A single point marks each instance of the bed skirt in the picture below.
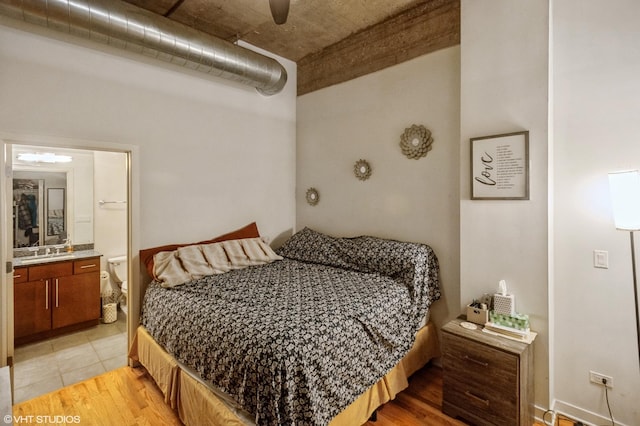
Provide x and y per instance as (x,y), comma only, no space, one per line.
(199,404)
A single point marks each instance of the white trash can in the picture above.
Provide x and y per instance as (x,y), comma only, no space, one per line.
(106,292)
(109,313)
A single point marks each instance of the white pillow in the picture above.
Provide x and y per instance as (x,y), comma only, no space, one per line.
(168,270)
(216,257)
(196,261)
(248,252)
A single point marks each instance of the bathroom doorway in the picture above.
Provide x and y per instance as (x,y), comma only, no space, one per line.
(82,196)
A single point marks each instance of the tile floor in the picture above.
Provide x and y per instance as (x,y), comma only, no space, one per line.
(43,367)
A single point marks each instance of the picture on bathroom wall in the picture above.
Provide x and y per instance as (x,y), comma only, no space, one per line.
(55,211)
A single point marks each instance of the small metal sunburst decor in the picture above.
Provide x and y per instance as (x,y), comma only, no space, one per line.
(416,141)
(362,169)
(312,196)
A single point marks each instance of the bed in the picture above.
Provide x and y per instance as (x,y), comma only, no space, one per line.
(322,331)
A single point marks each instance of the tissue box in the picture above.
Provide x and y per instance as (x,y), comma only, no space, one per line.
(504,304)
(516,321)
(477,315)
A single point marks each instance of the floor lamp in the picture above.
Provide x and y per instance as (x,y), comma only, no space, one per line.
(625,197)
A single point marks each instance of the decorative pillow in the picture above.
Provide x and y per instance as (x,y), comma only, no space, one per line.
(196,261)
(167,265)
(308,245)
(216,257)
(364,253)
(146,256)
(248,252)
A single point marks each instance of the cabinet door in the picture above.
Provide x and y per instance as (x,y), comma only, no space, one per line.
(75,299)
(31,307)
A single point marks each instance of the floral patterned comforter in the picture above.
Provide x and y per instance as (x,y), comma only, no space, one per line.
(296,341)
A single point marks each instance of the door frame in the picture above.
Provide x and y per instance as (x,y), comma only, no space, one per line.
(7,140)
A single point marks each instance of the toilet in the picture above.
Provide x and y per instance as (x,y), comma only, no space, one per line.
(119,270)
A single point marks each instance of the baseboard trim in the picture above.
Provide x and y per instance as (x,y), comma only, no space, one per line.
(582,415)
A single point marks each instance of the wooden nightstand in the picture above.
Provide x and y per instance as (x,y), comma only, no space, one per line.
(487,379)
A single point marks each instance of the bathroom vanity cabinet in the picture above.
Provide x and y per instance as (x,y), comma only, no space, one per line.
(56,297)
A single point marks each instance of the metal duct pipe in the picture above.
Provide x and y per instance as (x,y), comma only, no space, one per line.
(137,30)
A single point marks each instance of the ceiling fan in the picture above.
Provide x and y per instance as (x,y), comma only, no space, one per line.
(279,10)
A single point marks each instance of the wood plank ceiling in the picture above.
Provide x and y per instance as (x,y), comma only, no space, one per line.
(331,41)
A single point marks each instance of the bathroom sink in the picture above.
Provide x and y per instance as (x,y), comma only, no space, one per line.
(45,258)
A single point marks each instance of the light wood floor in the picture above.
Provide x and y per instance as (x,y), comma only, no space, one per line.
(419,404)
(127,396)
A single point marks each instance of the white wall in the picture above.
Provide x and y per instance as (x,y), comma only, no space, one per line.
(197,134)
(597,130)
(81,220)
(213,155)
(110,172)
(504,84)
(404,199)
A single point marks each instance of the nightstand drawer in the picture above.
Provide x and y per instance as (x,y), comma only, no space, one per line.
(474,363)
(497,408)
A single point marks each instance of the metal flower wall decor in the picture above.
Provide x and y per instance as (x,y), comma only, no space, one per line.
(416,141)
(312,196)
(362,169)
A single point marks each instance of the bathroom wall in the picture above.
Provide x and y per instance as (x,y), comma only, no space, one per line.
(110,184)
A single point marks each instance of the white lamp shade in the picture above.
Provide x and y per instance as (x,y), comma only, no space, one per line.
(625,198)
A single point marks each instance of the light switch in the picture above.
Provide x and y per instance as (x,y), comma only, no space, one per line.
(601,259)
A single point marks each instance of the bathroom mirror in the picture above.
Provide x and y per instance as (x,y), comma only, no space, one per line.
(64,199)
(33,223)
(27,212)
(55,213)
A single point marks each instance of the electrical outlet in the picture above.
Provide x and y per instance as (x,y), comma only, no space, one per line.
(599,379)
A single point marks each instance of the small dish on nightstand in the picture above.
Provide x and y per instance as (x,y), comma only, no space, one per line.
(468,325)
